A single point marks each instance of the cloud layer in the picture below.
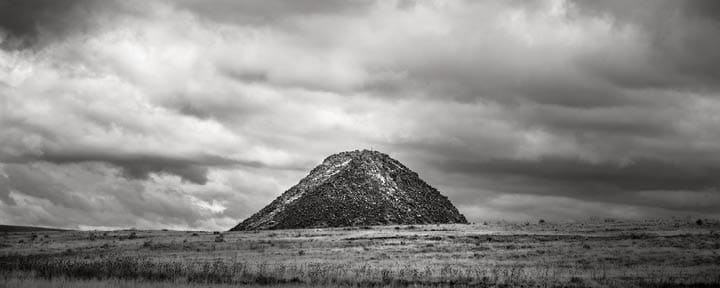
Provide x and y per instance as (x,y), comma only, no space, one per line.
(190,114)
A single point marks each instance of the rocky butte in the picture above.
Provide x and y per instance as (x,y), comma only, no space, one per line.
(356,188)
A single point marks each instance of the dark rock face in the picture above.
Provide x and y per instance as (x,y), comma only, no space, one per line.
(356,188)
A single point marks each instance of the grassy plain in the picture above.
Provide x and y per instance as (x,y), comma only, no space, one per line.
(600,253)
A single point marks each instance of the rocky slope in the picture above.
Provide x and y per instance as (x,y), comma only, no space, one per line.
(352,189)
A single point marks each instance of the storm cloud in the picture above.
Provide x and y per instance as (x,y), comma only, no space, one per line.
(195,114)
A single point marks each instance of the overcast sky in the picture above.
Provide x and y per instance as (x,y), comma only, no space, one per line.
(195,114)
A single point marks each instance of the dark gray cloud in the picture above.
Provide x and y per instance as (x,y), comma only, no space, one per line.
(193,169)
(678,38)
(638,175)
(513,108)
(38,184)
(246,12)
(39,193)
(27,22)
(646,11)
(140,166)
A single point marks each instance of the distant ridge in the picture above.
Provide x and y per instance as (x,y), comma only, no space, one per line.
(14,228)
(356,188)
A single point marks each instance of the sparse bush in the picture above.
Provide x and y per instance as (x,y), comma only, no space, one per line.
(386,276)
(301,252)
(219,238)
(133,235)
(636,236)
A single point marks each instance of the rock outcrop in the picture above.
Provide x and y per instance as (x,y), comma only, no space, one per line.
(356,188)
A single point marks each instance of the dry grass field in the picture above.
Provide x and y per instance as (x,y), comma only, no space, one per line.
(599,253)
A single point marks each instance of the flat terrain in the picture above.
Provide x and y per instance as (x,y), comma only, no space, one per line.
(602,253)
